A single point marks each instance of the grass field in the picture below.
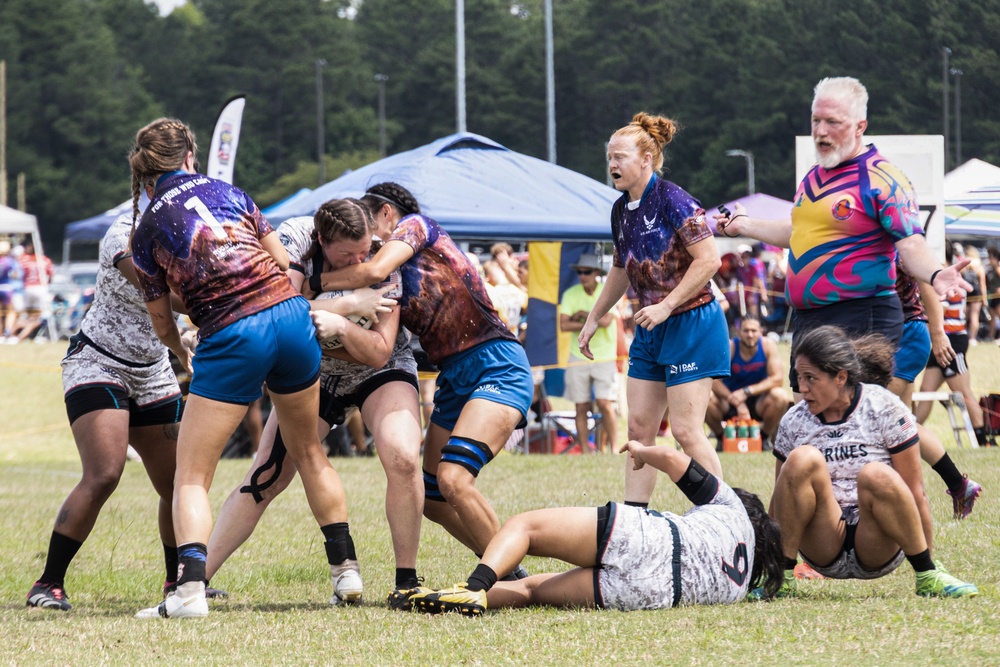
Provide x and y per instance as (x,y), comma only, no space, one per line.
(279,581)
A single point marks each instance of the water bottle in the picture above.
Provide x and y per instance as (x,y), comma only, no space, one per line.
(754,430)
(742,431)
(729,432)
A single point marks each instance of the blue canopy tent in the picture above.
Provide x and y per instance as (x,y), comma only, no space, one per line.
(478,189)
(277,210)
(91,230)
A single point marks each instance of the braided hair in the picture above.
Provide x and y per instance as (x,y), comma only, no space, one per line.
(160,147)
(390,193)
(340,219)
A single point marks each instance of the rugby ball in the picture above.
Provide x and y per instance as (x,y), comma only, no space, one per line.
(334,342)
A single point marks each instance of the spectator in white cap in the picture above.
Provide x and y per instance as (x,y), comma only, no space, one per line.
(589,381)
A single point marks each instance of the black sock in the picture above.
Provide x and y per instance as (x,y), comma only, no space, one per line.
(339,545)
(62,550)
(170,559)
(482,578)
(922,562)
(635,503)
(981,436)
(406,577)
(949,474)
(191,566)
(790,563)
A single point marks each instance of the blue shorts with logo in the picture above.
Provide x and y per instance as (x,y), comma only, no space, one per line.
(687,347)
(496,371)
(914,348)
(277,346)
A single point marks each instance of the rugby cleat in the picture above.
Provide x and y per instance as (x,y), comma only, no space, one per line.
(187,603)
(399,599)
(48,596)
(210,593)
(963,501)
(938,583)
(347,585)
(457,598)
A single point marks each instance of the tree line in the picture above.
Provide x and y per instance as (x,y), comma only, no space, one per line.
(84,75)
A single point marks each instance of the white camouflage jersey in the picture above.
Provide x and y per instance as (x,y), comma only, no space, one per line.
(876,425)
(655,561)
(118,321)
(296,235)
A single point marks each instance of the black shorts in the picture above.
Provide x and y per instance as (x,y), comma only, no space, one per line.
(112,397)
(333,409)
(857,317)
(751,404)
(960,343)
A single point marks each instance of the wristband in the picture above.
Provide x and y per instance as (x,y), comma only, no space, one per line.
(316,282)
(933,276)
(747,391)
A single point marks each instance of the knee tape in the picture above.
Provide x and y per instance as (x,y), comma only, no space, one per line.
(275,461)
(470,454)
(431,491)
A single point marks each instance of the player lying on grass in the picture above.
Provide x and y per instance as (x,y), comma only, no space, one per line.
(629,557)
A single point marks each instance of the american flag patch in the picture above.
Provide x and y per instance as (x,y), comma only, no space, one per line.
(904,423)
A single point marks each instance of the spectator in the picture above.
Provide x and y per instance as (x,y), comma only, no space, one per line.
(37,271)
(753,389)
(503,255)
(11,288)
(993,292)
(975,275)
(586,379)
(751,273)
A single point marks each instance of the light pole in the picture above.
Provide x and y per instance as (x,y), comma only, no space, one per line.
(460,65)
(380,79)
(957,73)
(550,84)
(320,128)
(945,52)
(748,156)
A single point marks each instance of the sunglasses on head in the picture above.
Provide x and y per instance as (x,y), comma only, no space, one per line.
(584,272)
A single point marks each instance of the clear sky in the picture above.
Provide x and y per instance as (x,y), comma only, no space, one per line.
(166,6)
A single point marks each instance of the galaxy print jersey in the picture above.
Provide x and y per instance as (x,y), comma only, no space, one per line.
(117,321)
(876,425)
(651,238)
(445,303)
(908,290)
(200,237)
(845,223)
(296,235)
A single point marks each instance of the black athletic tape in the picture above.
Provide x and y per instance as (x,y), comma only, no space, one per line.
(275,460)
(699,485)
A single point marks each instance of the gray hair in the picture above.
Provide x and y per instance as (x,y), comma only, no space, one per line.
(845,88)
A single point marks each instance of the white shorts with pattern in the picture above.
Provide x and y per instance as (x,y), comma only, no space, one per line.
(144,385)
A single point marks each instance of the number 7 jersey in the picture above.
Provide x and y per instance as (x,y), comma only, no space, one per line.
(200,238)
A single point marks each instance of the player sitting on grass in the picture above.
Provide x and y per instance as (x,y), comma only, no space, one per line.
(849,493)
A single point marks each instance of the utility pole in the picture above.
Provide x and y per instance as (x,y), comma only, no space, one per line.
(380,79)
(945,52)
(957,73)
(751,175)
(3,132)
(320,124)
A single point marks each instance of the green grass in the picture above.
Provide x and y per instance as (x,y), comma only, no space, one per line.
(278,612)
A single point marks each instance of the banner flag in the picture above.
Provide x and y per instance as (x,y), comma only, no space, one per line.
(225,139)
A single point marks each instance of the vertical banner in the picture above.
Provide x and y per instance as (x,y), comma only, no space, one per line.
(225,139)
(549,275)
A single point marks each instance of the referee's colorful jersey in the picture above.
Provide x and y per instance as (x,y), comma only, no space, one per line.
(845,223)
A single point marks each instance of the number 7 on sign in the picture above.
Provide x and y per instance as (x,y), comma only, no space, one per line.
(197,205)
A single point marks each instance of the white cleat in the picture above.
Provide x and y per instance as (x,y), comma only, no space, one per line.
(347,586)
(188,601)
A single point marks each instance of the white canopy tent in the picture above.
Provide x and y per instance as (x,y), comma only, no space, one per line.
(13,221)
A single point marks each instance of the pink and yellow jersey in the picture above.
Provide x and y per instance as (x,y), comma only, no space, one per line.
(845,224)
(200,238)
(651,238)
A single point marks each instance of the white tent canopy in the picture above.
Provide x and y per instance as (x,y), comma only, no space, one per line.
(972,201)
(13,221)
